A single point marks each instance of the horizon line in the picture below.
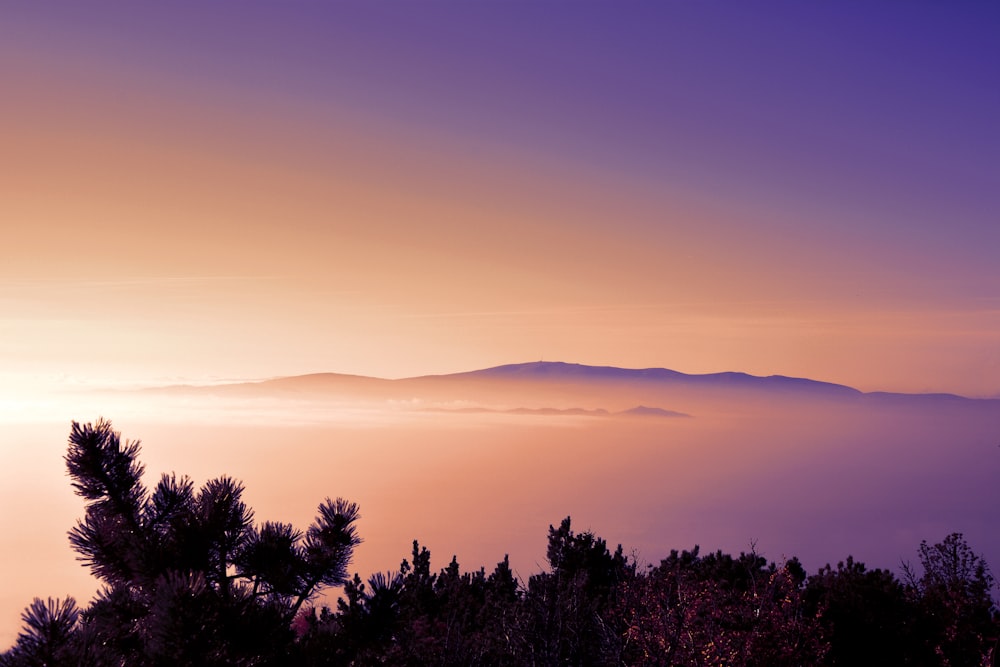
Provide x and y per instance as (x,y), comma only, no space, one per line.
(231,380)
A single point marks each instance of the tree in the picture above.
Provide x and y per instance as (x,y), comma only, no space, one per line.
(49,634)
(720,610)
(189,579)
(570,606)
(958,618)
(866,615)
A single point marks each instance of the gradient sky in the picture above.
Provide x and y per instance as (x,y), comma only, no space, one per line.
(198,191)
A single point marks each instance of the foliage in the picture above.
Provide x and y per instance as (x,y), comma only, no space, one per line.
(953,595)
(720,610)
(593,607)
(868,616)
(190,579)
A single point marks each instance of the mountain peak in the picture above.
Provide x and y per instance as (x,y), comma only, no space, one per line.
(565,369)
(646,411)
(572,371)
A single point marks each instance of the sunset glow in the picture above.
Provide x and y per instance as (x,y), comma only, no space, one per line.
(199,194)
(375,205)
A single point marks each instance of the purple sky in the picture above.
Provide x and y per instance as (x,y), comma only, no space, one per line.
(832,158)
(196,191)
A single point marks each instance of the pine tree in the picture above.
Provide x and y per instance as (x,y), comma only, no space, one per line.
(188,578)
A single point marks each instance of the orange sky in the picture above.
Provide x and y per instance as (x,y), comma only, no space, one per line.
(163,226)
(193,193)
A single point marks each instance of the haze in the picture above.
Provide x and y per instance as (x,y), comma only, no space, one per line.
(198,194)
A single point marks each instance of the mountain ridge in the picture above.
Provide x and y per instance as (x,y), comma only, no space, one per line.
(566,372)
(565,369)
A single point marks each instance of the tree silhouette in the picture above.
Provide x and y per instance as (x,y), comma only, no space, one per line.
(955,600)
(188,578)
(867,616)
(570,605)
(49,634)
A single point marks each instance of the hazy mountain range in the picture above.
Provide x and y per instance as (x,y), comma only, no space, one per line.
(559,388)
(480,463)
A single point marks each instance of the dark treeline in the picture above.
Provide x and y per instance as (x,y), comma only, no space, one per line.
(190,579)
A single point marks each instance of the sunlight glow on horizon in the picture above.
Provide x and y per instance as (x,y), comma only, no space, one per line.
(391,272)
(213,193)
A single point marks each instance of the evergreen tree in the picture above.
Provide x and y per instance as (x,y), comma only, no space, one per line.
(188,578)
(868,616)
(569,606)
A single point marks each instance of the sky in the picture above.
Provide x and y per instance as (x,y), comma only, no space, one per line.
(196,192)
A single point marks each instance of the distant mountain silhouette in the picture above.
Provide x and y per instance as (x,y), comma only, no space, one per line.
(555,387)
(558,370)
(561,369)
(644,411)
(312,383)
